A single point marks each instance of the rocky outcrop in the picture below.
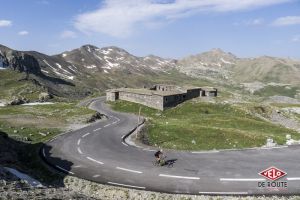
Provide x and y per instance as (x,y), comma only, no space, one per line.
(44,96)
(19,61)
(95,117)
(18,101)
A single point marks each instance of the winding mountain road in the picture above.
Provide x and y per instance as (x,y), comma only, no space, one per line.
(99,153)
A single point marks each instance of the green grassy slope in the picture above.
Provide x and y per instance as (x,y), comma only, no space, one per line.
(205,126)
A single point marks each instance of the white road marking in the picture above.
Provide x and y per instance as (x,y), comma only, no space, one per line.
(107,125)
(97,175)
(280,147)
(92,159)
(149,150)
(125,144)
(242,179)
(44,153)
(77,166)
(85,135)
(183,177)
(129,170)
(69,172)
(114,122)
(78,142)
(225,193)
(123,137)
(132,186)
(97,129)
(79,150)
(294,179)
(205,152)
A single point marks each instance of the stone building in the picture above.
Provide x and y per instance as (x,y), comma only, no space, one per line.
(159,96)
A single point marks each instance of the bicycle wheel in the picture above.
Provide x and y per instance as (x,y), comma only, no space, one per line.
(170,164)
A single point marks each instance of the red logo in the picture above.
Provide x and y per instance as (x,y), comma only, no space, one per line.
(273,173)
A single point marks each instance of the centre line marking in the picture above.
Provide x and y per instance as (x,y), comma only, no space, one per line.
(242,179)
(79,150)
(85,135)
(294,179)
(183,177)
(225,193)
(78,142)
(205,152)
(97,175)
(129,170)
(120,184)
(96,161)
(107,125)
(97,129)
(69,172)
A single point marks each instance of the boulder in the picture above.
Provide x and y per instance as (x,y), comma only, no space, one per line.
(44,96)
(18,101)
(95,117)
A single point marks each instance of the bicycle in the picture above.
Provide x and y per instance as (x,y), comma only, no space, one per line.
(162,162)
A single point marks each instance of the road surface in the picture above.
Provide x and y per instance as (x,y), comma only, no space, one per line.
(99,153)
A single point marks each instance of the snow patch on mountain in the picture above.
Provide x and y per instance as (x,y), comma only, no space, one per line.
(73,68)
(91,66)
(64,55)
(89,49)
(45,71)
(98,56)
(60,67)
(58,73)
(226,62)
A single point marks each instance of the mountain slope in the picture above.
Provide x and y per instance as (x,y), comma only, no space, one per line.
(218,65)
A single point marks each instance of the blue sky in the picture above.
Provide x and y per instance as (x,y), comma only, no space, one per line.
(167,28)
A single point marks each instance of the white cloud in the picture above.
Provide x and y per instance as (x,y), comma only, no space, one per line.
(250,22)
(286,21)
(258,21)
(68,34)
(5,23)
(22,33)
(296,38)
(120,18)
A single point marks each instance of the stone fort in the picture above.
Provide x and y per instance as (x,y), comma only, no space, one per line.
(160,96)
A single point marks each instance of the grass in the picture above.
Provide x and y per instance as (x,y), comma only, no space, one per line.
(277,90)
(13,84)
(205,126)
(29,121)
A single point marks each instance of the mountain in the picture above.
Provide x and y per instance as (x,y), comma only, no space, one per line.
(89,69)
(217,65)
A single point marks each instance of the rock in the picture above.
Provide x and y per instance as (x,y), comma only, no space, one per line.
(43,134)
(18,101)
(270,143)
(44,96)
(95,117)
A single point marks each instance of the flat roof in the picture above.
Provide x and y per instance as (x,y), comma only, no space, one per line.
(150,92)
(145,91)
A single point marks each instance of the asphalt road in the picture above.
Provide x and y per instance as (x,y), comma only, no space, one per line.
(99,153)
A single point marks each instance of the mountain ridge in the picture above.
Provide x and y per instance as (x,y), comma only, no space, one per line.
(84,70)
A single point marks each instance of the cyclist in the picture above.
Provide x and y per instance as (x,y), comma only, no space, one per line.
(159,158)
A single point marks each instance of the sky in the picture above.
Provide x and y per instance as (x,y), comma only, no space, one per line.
(166,28)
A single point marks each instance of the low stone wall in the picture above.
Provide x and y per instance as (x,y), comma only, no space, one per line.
(153,101)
